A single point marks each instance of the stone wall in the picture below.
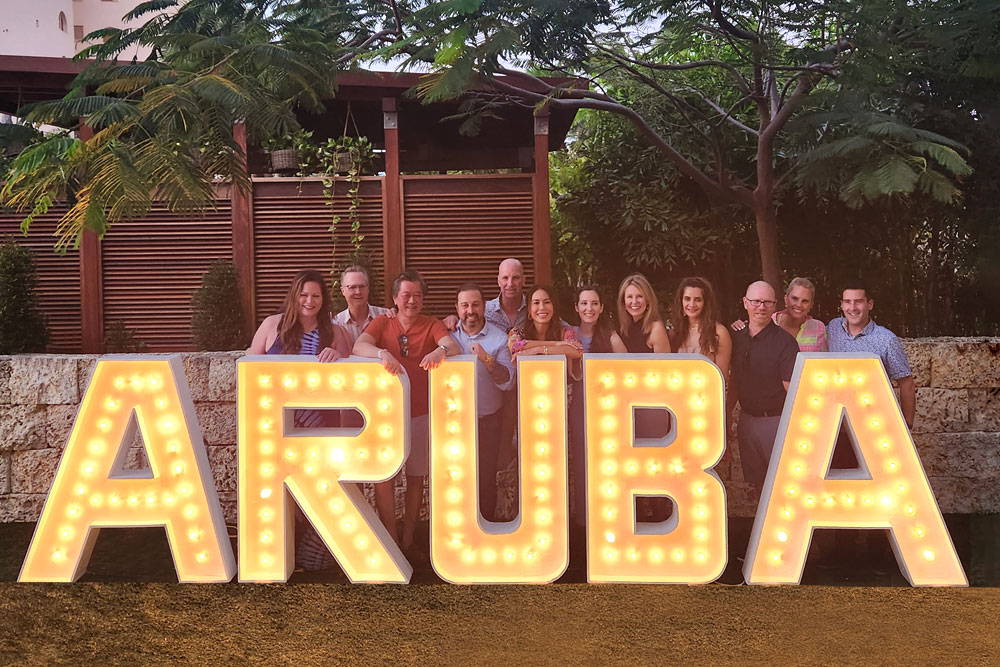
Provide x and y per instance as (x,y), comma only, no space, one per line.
(957,429)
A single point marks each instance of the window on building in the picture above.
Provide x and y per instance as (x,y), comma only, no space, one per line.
(78,33)
(62,21)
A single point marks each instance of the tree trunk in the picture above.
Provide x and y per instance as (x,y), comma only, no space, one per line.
(767,238)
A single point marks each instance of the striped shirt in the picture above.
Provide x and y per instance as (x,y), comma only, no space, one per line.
(811,336)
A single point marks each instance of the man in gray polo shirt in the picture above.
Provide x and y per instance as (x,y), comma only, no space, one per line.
(763,361)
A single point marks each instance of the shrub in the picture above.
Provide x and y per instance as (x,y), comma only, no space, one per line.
(22,324)
(218,322)
(119,339)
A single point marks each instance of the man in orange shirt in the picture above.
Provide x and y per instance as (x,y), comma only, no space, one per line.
(413,343)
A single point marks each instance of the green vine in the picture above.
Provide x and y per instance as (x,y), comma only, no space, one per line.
(348,157)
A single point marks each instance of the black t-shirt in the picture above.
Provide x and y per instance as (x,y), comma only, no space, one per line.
(760,364)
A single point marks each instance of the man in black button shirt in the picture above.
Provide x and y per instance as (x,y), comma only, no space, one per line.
(763,361)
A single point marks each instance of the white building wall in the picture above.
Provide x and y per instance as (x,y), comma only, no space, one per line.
(31,28)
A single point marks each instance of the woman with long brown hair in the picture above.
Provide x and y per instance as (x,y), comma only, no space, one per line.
(697,329)
(597,335)
(305,326)
(544,332)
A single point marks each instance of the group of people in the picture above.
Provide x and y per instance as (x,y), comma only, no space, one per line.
(756,356)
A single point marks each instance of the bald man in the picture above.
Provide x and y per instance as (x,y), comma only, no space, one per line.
(763,361)
(509,309)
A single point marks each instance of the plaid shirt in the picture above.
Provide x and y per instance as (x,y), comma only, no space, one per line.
(874,339)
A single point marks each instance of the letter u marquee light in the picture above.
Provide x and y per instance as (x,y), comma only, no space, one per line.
(691,546)
(890,490)
(92,490)
(465,548)
(319,468)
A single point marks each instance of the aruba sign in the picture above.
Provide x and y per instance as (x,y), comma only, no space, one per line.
(318,470)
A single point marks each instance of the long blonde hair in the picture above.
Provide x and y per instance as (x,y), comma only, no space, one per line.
(652,305)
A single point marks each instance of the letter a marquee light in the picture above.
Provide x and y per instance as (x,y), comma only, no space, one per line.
(319,468)
(691,547)
(91,489)
(534,548)
(890,490)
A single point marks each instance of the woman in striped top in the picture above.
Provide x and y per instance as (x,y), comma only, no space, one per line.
(305,326)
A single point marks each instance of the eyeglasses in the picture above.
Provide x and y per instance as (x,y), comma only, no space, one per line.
(757,303)
(404,345)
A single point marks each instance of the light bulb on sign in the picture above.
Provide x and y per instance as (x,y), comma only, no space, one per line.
(317,468)
(691,548)
(889,491)
(465,549)
(91,490)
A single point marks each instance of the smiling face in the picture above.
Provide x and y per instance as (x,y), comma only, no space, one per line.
(355,288)
(510,279)
(635,302)
(310,300)
(759,303)
(799,302)
(471,310)
(857,307)
(541,309)
(589,307)
(693,302)
(409,299)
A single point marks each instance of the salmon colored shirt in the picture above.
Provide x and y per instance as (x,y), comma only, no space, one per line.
(421,339)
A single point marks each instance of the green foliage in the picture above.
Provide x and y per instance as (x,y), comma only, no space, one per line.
(119,339)
(218,321)
(349,156)
(870,156)
(22,325)
(164,126)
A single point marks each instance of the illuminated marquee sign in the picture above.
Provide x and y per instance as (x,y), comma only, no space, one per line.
(534,548)
(282,467)
(889,490)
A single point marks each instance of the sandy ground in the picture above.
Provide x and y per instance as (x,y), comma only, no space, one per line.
(127,611)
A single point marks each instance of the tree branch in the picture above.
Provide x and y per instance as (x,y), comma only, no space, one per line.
(685,166)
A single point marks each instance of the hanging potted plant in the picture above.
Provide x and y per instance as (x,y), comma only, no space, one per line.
(288,153)
(348,157)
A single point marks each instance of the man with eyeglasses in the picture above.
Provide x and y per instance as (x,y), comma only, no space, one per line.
(359,313)
(763,361)
(413,343)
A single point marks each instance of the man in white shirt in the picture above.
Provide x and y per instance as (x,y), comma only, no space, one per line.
(359,313)
(494,376)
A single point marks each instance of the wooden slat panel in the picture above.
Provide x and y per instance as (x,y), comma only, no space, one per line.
(58,277)
(152,266)
(459,229)
(291,233)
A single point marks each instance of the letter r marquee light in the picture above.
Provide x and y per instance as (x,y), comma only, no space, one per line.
(465,548)
(92,490)
(319,468)
(889,490)
(691,546)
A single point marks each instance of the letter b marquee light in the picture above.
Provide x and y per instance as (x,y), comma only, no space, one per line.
(92,490)
(691,548)
(889,490)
